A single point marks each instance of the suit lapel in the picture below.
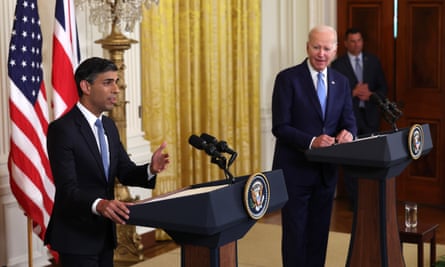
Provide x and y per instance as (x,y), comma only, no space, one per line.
(332,89)
(312,91)
(90,140)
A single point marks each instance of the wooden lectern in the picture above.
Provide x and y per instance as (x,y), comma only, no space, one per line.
(376,160)
(207,219)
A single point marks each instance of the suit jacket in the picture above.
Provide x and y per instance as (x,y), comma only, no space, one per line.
(80,179)
(369,120)
(297,118)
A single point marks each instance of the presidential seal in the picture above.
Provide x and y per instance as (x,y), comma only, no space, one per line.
(256,195)
(415,141)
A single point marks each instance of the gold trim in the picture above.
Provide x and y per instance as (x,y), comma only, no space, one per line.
(415,141)
(248,193)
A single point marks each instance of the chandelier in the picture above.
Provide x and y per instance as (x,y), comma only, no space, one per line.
(123,14)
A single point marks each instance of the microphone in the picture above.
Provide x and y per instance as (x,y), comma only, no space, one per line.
(387,106)
(201,144)
(376,99)
(394,108)
(221,145)
(390,111)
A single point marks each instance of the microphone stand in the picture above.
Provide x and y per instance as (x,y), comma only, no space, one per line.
(221,162)
(390,111)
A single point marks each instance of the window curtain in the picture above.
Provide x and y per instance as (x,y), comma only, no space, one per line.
(200,74)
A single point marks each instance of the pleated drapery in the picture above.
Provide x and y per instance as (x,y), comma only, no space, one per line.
(200,73)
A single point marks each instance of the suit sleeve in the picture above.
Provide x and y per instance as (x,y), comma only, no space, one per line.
(287,103)
(62,152)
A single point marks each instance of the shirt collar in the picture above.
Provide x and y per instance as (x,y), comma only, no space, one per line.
(352,57)
(314,72)
(89,116)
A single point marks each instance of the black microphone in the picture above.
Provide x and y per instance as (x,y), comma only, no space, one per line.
(378,100)
(393,107)
(201,144)
(220,145)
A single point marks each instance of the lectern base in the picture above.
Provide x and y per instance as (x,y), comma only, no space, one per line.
(223,256)
(375,237)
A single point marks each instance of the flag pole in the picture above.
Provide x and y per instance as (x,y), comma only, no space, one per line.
(29,241)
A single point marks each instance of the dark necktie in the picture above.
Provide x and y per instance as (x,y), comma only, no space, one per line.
(359,75)
(321,92)
(103,145)
(358,70)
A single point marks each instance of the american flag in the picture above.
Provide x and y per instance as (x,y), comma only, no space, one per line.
(66,57)
(29,170)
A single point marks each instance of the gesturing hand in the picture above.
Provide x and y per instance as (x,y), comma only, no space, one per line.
(159,160)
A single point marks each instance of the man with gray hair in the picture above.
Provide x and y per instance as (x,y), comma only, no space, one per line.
(311,108)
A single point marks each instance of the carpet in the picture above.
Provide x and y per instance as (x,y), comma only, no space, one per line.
(261,247)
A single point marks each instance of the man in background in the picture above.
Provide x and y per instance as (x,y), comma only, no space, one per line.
(366,77)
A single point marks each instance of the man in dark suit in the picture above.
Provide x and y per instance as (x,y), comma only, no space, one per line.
(299,123)
(370,80)
(82,224)
(366,77)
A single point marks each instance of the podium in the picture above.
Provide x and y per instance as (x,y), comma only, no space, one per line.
(376,161)
(207,219)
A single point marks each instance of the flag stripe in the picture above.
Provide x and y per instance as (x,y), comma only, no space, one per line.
(29,170)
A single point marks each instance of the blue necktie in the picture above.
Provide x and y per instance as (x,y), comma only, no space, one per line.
(359,75)
(358,70)
(321,92)
(103,145)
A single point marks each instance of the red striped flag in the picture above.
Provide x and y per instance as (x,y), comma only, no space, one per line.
(66,57)
(29,170)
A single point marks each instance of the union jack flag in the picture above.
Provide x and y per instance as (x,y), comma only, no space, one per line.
(66,57)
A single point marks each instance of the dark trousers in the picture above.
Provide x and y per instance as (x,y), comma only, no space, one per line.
(305,225)
(104,259)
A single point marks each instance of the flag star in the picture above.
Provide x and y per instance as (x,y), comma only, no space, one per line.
(25,19)
(24,49)
(33,78)
(12,62)
(13,32)
(24,78)
(25,3)
(24,34)
(24,63)
(13,48)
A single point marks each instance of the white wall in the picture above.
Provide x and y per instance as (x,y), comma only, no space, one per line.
(285,24)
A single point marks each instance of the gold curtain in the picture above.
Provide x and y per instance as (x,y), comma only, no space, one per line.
(200,73)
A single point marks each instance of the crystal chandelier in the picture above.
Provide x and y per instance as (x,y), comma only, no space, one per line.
(122,13)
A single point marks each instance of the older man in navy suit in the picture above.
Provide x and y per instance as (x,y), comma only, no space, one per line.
(311,108)
(86,155)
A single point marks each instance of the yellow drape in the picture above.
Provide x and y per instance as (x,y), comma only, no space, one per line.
(200,73)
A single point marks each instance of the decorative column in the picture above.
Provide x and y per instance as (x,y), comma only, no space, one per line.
(120,13)
(129,248)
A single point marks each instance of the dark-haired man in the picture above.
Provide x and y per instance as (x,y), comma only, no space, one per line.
(366,77)
(86,154)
